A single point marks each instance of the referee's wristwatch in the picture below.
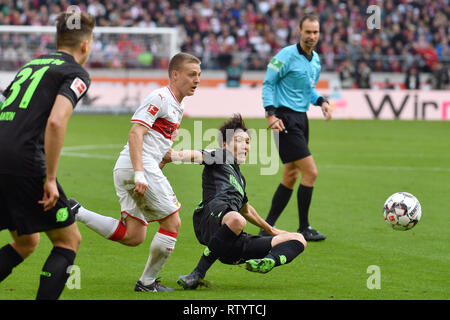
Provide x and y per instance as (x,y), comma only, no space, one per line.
(320,101)
(270,110)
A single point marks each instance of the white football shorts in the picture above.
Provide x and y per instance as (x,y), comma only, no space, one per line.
(159,200)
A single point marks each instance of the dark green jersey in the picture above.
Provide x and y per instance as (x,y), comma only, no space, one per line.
(27,103)
(222,179)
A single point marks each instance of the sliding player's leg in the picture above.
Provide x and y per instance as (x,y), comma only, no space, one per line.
(284,248)
(219,230)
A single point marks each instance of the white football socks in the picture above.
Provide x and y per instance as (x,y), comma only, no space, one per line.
(161,249)
(103,225)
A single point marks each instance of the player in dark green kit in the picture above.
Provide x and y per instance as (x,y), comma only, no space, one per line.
(34,111)
(220,218)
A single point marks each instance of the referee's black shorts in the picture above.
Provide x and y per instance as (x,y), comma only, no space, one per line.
(20,210)
(293,144)
(208,220)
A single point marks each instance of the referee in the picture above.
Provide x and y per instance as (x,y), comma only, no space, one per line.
(288,90)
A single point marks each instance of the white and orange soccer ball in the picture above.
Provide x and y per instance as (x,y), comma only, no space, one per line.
(402,211)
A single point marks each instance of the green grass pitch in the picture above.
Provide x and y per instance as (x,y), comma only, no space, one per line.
(360,164)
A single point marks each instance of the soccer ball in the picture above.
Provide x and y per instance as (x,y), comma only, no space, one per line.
(402,211)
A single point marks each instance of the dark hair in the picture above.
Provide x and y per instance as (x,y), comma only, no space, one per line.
(310,17)
(179,59)
(229,128)
(72,28)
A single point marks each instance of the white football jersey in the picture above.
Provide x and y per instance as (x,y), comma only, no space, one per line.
(161,113)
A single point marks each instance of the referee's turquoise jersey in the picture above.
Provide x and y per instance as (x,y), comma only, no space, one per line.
(291,80)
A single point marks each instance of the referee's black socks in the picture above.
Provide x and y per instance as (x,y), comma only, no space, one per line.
(285,252)
(54,273)
(279,201)
(304,195)
(9,258)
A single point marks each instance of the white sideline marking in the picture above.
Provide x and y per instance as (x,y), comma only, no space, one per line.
(71,151)
(87,155)
(93,147)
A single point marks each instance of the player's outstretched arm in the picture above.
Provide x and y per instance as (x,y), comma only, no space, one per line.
(183,156)
(250,214)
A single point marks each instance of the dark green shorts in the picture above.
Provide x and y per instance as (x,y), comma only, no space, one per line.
(20,210)
(208,220)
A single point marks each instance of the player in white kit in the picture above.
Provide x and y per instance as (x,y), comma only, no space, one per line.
(144,192)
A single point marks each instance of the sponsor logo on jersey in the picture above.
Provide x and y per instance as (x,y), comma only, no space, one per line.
(234,182)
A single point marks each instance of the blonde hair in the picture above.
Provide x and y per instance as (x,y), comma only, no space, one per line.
(179,59)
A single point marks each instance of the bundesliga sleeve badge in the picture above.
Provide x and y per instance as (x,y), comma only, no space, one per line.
(152,109)
(275,64)
(78,87)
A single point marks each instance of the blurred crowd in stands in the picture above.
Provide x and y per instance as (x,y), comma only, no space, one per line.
(413,38)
